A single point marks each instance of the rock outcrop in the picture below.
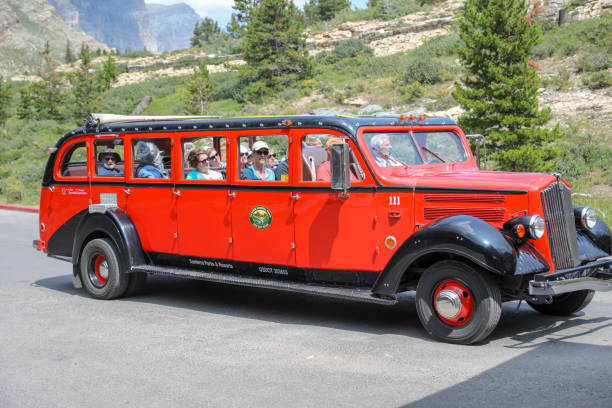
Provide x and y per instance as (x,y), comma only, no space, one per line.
(25,26)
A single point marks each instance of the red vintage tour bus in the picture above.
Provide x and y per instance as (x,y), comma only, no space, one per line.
(351,207)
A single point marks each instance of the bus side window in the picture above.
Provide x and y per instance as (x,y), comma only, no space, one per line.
(74,161)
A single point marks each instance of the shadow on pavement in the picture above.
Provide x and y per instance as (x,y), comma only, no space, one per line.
(562,374)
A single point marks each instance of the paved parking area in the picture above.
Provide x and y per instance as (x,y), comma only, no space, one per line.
(195,344)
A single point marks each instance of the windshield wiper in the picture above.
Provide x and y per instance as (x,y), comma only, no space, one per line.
(436,155)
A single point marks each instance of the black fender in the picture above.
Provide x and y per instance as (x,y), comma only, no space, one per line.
(460,235)
(600,235)
(115,224)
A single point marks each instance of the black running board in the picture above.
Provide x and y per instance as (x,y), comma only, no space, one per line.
(357,294)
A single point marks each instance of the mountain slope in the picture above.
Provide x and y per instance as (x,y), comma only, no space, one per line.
(172,26)
(24,28)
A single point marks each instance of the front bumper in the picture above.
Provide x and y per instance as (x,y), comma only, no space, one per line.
(596,275)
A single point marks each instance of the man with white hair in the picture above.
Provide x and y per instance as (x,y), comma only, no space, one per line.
(381,149)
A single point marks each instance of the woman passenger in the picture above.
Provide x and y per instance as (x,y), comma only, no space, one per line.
(199,159)
(259,171)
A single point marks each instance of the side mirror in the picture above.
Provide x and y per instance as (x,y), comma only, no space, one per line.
(479,139)
(339,165)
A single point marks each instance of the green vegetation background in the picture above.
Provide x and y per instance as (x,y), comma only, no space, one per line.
(422,77)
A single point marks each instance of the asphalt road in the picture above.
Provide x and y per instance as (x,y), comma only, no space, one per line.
(196,344)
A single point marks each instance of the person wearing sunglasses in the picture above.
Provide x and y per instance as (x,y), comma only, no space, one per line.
(271,162)
(200,160)
(108,163)
(214,159)
(259,171)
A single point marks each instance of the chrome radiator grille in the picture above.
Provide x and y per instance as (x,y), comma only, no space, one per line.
(560,225)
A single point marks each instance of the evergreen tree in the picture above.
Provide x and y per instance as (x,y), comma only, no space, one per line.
(69,57)
(50,96)
(6,100)
(85,89)
(274,48)
(499,92)
(204,32)
(325,10)
(25,107)
(107,74)
(241,18)
(198,91)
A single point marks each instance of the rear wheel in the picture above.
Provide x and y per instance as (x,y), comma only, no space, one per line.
(458,303)
(566,303)
(100,270)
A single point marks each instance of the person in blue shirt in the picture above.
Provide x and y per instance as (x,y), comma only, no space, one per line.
(200,160)
(259,171)
(149,159)
(108,163)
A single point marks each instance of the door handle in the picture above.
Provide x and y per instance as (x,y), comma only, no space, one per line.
(232,194)
(127,191)
(295,197)
(177,192)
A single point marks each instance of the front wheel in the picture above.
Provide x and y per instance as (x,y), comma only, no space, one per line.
(101,272)
(458,303)
(565,304)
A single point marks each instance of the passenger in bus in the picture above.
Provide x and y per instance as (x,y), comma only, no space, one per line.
(214,159)
(381,150)
(200,159)
(324,170)
(108,163)
(259,171)
(149,159)
(244,158)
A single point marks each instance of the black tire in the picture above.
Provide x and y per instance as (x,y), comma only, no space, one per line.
(101,272)
(136,284)
(566,303)
(480,297)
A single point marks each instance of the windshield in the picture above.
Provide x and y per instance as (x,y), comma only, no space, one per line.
(391,149)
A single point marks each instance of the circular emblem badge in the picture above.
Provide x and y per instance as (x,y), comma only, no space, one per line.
(260,217)
(390,242)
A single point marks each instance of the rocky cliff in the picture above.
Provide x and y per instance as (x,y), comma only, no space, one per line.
(25,26)
(172,26)
(121,24)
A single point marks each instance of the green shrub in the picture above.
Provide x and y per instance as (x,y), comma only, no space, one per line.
(598,80)
(346,49)
(411,92)
(423,70)
(184,62)
(596,62)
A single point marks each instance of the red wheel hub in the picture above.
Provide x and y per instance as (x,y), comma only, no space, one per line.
(453,302)
(101,269)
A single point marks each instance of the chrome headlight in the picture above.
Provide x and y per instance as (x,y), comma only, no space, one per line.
(588,218)
(536,227)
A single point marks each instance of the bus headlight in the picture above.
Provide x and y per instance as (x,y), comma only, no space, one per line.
(536,227)
(586,216)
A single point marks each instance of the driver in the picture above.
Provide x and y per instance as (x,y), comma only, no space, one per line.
(381,149)
(108,163)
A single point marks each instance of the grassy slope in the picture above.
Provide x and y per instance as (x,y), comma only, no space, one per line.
(587,158)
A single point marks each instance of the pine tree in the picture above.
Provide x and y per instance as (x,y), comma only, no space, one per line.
(85,89)
(25,107)
(274,48)
(325,10)
(50,96)
(204,32)
(107,74)
(68,55)
(6,100)
(198,91)
(241,18)
(499,92)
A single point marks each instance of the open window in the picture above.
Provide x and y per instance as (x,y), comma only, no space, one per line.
(315,158)
(74,161)
(109,158)
(204,158)
(151,158)
(263,158)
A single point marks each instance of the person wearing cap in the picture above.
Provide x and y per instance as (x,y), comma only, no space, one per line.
(324,170)
(259,171)
(200,159)
(108,163)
